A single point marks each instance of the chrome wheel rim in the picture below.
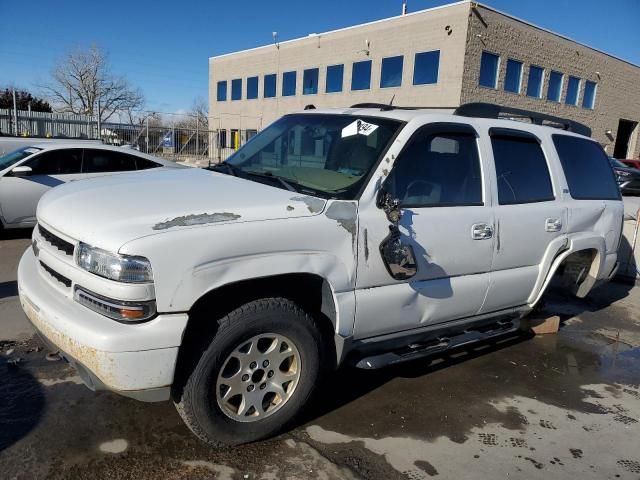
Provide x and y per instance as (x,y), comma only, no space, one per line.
(258,377)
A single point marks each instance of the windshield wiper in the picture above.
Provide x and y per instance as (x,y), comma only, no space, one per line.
(230,169)
(280,180)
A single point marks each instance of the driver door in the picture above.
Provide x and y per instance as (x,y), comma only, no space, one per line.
(448,222)
(19,196)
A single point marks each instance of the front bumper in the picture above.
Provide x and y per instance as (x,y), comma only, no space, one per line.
(135,360)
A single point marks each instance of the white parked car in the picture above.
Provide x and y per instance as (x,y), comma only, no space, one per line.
(30,171)
(365,235)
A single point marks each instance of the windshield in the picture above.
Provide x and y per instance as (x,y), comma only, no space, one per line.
(329,155)
(14,157)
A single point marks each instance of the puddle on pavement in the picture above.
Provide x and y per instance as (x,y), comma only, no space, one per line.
(515,397)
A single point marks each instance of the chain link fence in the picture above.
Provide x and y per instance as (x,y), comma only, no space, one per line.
(184,139)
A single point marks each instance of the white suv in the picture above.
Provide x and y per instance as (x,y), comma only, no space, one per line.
(371,235)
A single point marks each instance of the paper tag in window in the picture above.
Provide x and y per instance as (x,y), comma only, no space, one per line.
(359,127)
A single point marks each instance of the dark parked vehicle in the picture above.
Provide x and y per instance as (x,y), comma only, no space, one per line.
(631,163)
(628,178)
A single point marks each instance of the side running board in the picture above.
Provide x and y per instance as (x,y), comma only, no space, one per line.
(439,344)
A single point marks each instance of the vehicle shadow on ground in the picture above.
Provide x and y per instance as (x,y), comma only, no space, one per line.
(22,403)
(349,383)
(8,289)
(15,234)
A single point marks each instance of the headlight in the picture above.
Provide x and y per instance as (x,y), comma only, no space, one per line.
(121,268)
(622,173)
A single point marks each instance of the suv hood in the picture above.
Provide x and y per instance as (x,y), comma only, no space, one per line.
(108,212)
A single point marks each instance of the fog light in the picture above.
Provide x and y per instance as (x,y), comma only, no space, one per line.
(121,311)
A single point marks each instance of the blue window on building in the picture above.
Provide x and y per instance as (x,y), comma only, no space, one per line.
(425,67)
(361,75)
(236,89)
(252,88)
(573,87)
(589,98)
(534,85)
(222,91)
(288,84)
(270,82)
(310,81)
(391,73)
(335,75)
(489,64)
(513,77)
(554,91)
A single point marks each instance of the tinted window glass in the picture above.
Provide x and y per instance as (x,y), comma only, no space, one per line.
(437,169)
(252,88)
(98,161)
(589,99)
(335,74)
(310,81)
(56,162)
(236,89)
(144,164)
(391,74)
(270,85)
(288,84)
(586,168)
(222,138)
(555,86)
(534,86)
(489,63)
(14,157)
(425,67)
(573,87)
(521,170)
(222,91)
(513,76)
(361,75)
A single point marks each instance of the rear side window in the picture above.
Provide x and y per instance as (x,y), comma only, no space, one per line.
(438,168)
(144,164)
(587,169)
(57,162)
(99,161)
(521,170)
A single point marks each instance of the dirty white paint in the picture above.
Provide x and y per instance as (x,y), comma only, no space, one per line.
(494,451)
(114,446)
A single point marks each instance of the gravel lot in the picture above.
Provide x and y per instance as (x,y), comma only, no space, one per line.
(557,406)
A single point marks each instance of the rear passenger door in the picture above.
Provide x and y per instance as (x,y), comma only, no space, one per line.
(528,216)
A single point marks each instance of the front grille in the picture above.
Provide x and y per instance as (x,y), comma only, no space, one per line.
(60,278)
(56,241)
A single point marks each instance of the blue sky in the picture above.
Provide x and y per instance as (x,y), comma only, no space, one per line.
(163,47)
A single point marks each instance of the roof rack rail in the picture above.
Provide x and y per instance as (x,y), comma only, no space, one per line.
(492,110)
(386,107)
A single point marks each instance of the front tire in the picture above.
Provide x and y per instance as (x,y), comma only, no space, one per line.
(258,372)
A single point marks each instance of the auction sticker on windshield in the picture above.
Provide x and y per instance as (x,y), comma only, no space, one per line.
(359,127)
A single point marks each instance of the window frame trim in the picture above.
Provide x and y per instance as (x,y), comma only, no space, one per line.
(444,128)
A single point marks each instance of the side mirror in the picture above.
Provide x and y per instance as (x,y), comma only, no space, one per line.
(397,256)
(22,171)
(390,206)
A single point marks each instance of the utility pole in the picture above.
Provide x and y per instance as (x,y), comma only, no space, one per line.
(197,135)
(147,136)
(15,114)
(99,122)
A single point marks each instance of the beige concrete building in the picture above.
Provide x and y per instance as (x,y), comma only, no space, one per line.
(440,57)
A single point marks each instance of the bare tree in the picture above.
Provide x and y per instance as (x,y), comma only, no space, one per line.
(83,80)
(197,116)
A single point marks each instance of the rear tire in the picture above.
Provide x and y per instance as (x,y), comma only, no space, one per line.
(255,376)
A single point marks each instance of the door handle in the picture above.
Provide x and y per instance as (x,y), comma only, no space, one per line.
(553,224)
(481,231)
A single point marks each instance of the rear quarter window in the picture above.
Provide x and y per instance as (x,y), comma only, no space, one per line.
(586,168)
